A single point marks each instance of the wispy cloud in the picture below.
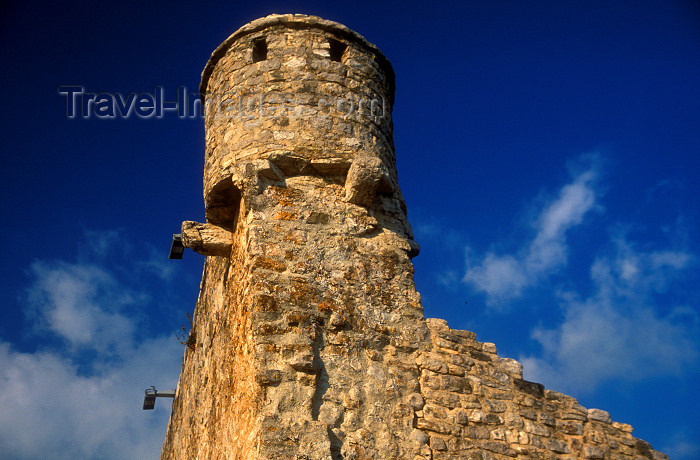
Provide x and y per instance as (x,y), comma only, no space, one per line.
(503,277)
(52,410)
(80,394)
(82,304)
(619,331)
(629,324)
(682,446)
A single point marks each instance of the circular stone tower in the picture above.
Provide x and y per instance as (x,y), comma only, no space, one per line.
(301,96)
(308,318)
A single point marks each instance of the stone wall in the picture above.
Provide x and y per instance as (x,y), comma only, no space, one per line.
(474,401)
(308,339)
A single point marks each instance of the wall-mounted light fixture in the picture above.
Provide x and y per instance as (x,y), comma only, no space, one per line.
(149,400)
(176,247)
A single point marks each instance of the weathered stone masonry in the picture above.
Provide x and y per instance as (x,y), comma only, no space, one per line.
(310,336)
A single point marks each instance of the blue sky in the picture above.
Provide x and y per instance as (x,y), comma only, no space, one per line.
(547,152)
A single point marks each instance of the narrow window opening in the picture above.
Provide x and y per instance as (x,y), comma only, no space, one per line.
(259,49)
(337,49)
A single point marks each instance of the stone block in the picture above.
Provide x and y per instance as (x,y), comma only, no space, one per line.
(599,415)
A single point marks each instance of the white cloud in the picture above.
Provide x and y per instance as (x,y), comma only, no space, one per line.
(505,277)
(81,304)
(102,243)
(631,324)
(82,399)
(618,332)
(548,249)
(51,410)
(499,276)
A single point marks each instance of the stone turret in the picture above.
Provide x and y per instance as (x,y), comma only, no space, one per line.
(308,339)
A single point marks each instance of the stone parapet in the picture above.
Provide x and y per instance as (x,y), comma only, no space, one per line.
(477,405)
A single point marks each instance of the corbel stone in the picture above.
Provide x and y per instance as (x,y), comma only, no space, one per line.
(364,178)
(206,239)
